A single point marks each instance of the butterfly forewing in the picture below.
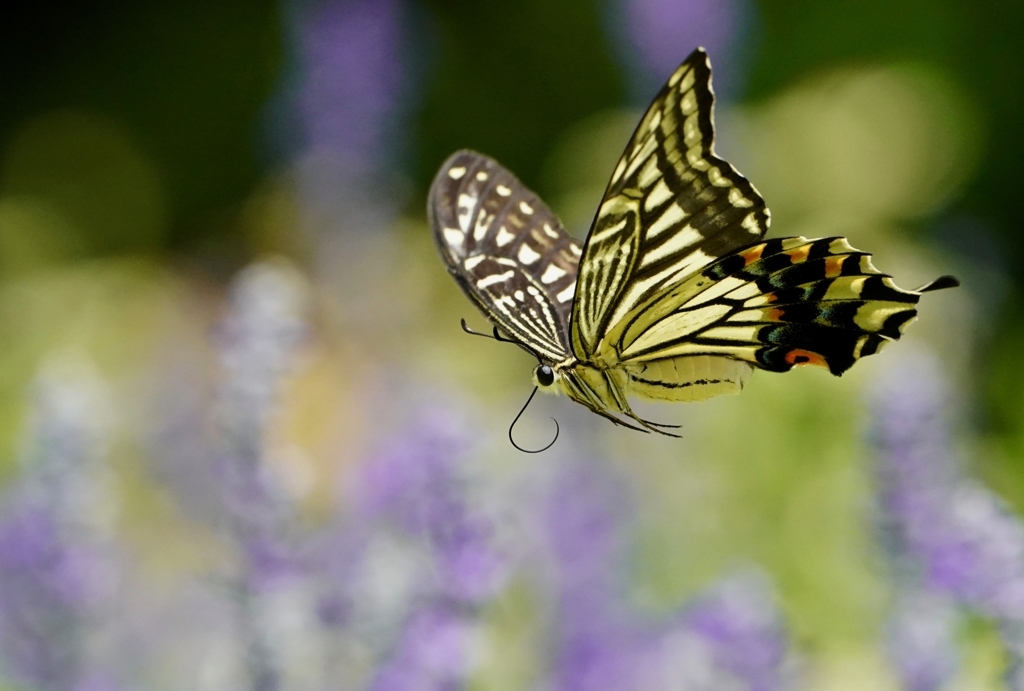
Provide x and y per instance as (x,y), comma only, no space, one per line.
(671,208)
(507,250)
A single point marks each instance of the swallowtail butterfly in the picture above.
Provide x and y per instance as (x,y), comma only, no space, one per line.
(675,295)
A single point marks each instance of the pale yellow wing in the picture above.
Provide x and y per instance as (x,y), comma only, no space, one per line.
(671,208)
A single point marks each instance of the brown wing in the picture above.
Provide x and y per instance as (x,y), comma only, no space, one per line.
(507,251)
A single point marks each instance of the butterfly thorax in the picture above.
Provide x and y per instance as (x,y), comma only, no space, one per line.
(606,389)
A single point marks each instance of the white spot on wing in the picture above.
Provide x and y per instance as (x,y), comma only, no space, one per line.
(519,295)
(494,278)
(736,198)
(695,157)
(566,294)
(717,179)
(472,262)
(691,130)
(750,223)
(457,172)
(552,274)
(502,190)
(550,231)
(689,103)
(467,202)
(527,255)
(504,237)
(483,224)
(481,176)
(455,238)
(525,208)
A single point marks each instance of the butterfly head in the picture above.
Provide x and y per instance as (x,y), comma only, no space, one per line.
(544,376)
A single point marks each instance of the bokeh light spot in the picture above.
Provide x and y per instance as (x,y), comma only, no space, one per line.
(89,169)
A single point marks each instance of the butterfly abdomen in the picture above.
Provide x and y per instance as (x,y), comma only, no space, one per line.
(688,378)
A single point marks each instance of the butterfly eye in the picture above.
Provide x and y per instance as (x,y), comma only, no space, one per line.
(544,374)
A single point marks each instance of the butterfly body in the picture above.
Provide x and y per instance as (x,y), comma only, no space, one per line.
(676,295)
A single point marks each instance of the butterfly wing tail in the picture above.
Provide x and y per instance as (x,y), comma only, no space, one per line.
(940,283)
(823,303)
(783,303)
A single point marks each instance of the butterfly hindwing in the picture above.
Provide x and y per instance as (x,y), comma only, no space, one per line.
(672,207)
(775,304)
(507,250)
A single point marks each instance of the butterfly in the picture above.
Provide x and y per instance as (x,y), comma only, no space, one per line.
(675,295)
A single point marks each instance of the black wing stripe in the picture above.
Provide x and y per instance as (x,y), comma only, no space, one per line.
(778,304)
(672,207)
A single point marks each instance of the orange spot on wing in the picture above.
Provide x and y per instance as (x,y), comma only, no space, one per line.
(800,357)
(798,254)
(752,255)
(834,266)
(775,314)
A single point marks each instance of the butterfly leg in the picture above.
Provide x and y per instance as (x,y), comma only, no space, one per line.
(579,389)
(654,426)
(615,385)
(661,424)
(618,421)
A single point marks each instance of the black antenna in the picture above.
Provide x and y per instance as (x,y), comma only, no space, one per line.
(521,411)
(501,339)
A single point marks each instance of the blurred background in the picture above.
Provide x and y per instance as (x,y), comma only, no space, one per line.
(244,443)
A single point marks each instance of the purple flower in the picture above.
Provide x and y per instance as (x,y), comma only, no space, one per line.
(56,563)
(742,630)
(922,639)
(258,345)
(730,637)
(599,644)
(434,652)
(351,76)
(587,519)
(398,479)
(417,483)
(957,534)
(41,589)
(662,33)
(946,532)
(409,568)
